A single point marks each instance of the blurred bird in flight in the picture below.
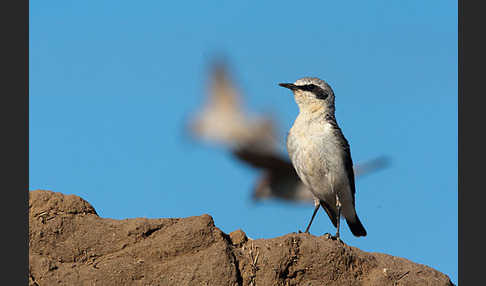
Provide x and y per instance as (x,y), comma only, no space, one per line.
(252,139)
(223,120)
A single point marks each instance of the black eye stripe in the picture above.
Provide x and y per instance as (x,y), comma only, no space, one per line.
(319,92)
(308,87)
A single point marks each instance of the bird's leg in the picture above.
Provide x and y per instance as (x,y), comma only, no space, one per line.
(338,206)
(316,205)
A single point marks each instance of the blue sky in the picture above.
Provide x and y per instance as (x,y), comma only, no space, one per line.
(113,82)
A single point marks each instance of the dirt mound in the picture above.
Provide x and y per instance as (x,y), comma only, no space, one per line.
(69,244)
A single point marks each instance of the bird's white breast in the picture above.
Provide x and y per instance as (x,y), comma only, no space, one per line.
(316,156)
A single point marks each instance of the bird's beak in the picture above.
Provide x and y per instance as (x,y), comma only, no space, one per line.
(288,85)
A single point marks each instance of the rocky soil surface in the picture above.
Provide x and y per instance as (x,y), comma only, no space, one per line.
(69,244)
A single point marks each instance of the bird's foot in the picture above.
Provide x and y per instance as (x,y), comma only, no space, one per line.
(327,235)
(336,238)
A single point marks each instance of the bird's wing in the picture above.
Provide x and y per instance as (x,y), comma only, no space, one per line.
(348,164)
(370,166)
(223,93)
(262,160)
(221,119)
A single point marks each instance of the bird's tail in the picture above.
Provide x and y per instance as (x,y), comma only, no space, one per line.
(356,226)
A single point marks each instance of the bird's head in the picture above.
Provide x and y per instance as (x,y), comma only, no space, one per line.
(312,94)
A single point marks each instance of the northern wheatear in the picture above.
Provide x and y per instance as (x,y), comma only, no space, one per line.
(321,155)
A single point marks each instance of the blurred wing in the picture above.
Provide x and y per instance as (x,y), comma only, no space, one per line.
(371,166)
(221,118)
(223,94)
(262,160)
(282,184)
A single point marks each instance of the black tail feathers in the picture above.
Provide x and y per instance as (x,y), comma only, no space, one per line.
(356,227)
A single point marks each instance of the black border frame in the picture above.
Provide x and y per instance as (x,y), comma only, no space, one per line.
(15,120)
(470,145)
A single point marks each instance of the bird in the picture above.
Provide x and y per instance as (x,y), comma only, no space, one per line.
(321,155)
(224,121)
